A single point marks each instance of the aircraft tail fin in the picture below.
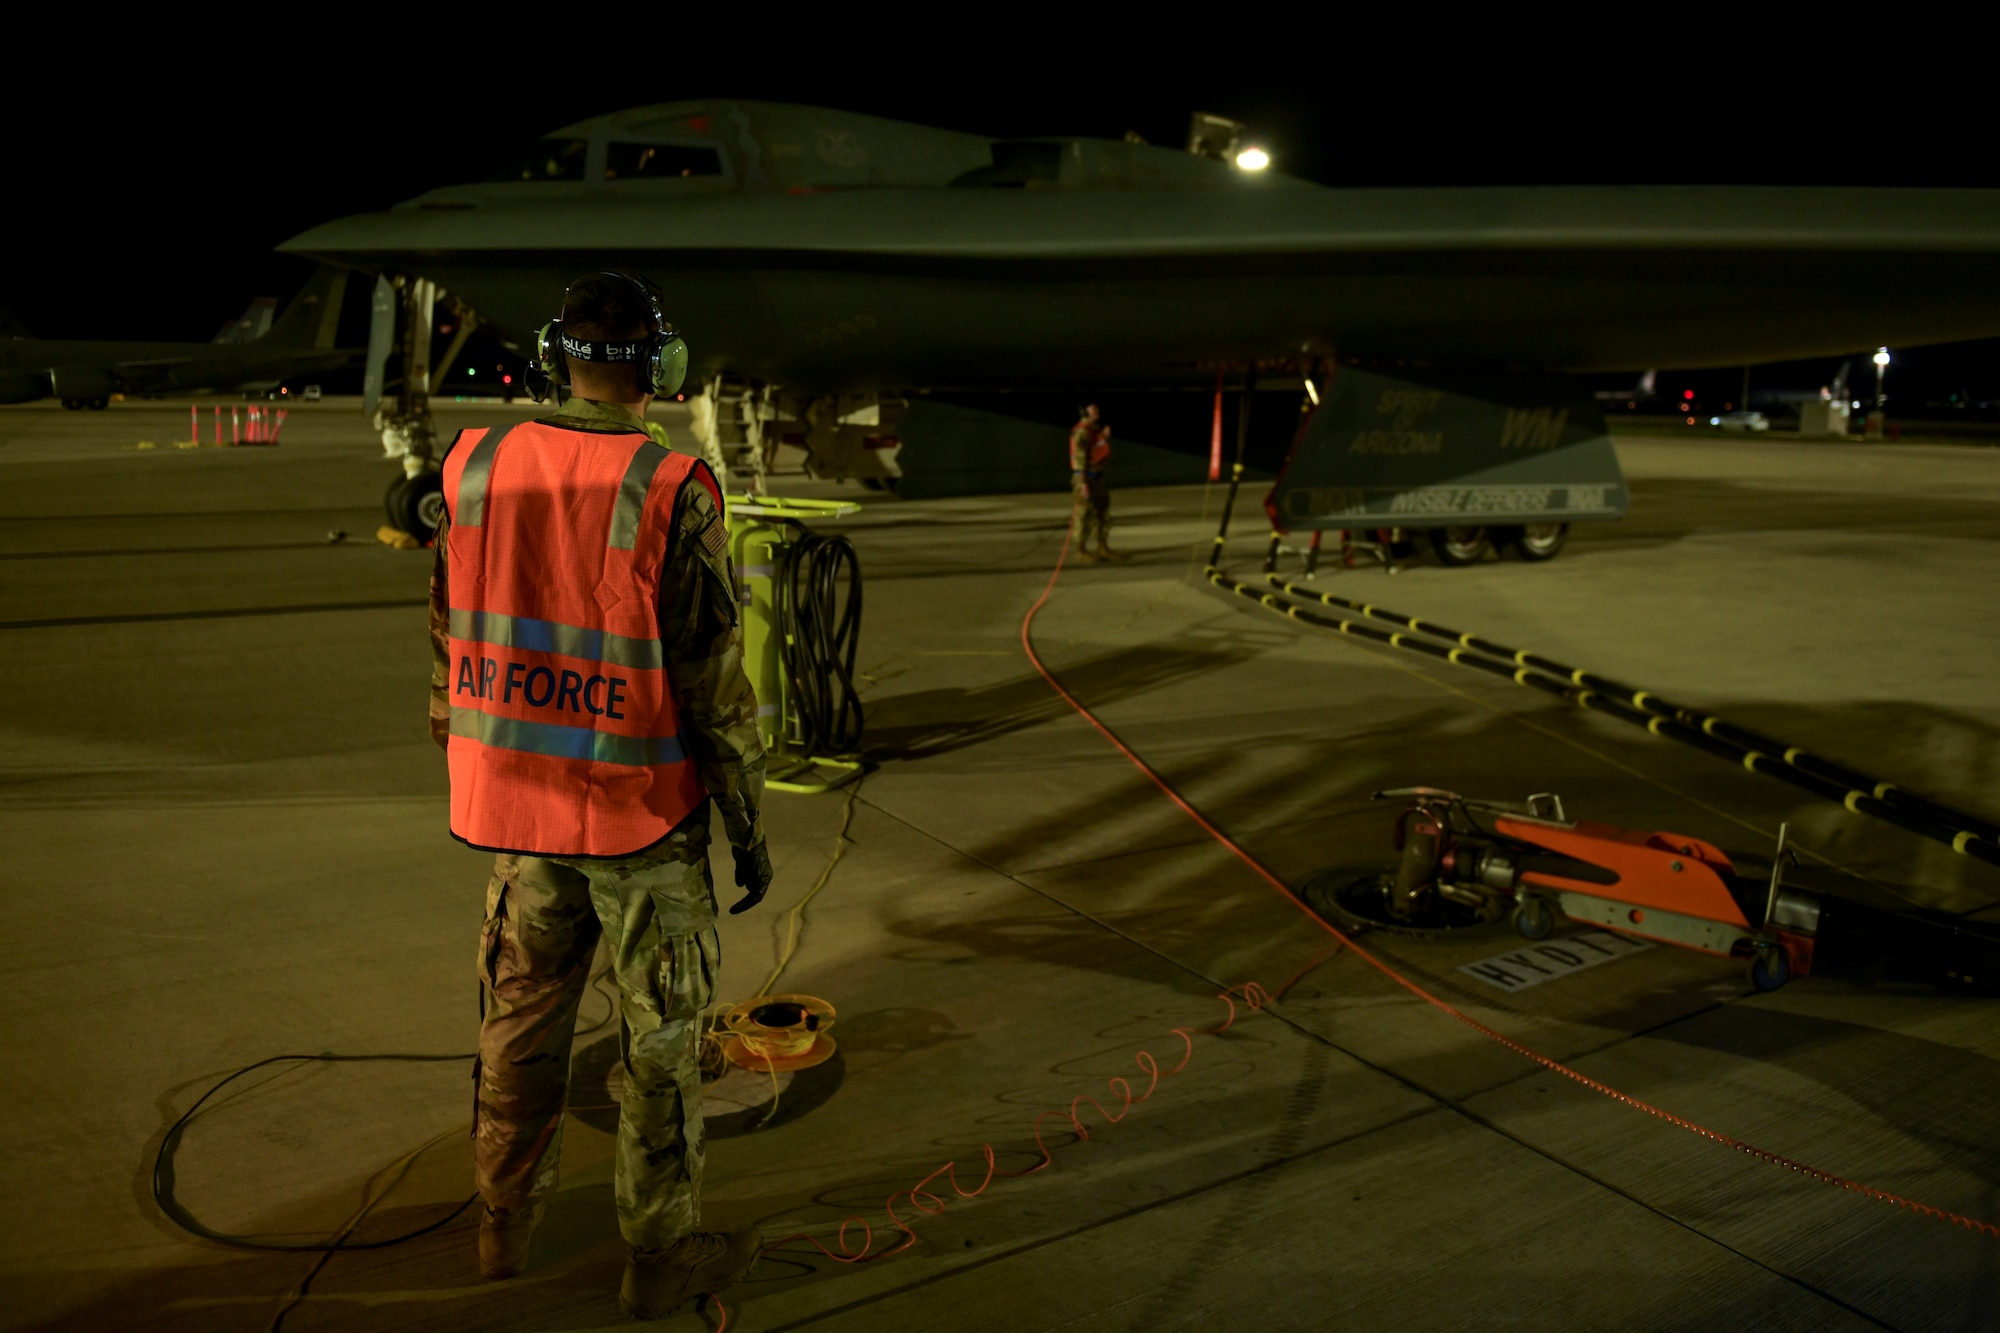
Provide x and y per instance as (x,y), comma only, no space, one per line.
(253,324)
(313,317)
(10,327)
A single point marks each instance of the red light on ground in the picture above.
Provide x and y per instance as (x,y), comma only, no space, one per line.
(1688,394)
(506,379)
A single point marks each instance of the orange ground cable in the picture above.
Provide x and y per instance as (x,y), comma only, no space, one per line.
(1547,1062)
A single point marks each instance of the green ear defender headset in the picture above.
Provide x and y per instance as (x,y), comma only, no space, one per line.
(661,356)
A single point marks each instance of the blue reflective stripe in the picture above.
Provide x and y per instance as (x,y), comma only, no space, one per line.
(550,636)
(560,742)
(471,510)
(632,495)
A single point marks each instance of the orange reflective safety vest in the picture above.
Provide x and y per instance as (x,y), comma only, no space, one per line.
(565,736)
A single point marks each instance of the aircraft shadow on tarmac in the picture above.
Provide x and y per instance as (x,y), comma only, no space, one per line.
(1920,1087)
(932,722)
(1168,883)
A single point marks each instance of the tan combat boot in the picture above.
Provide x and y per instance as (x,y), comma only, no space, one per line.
(504,1234)
(659,1280)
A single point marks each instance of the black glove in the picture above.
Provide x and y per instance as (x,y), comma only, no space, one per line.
(753,876)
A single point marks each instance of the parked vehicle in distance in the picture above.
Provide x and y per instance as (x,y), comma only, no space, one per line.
(1741,421)
(309,394)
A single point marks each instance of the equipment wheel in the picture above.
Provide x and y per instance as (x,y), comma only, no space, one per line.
(1456,547)
(1770,969)
(73,404)
(97,404)
(1540,541)
(1532,917)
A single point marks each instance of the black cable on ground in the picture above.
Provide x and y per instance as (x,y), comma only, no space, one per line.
(822,634)
(171,1207)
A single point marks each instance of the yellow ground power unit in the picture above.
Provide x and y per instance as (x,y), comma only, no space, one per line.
(800,594)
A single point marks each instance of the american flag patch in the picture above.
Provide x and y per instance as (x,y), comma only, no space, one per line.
(715,540)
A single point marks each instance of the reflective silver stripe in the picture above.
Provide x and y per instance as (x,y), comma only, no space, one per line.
(560,742)
(632,495)
(472,481)
(549,636)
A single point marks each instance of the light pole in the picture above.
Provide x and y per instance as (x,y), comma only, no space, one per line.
(1877,420)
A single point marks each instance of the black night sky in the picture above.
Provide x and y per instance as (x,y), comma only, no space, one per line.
(157,218)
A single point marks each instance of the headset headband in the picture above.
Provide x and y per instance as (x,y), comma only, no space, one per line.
(581,350)
(656,322)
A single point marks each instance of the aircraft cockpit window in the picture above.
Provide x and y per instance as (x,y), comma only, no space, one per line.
(549,160)
(630,161)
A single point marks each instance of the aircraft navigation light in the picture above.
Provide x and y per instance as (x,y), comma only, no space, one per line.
(1881,356)
(1253,159)
(1312,392)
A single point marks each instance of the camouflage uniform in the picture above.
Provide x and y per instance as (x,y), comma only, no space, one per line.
(544,914)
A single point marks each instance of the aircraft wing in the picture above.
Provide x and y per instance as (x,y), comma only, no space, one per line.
(953,287)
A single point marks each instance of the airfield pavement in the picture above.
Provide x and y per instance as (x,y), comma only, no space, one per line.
(225,840)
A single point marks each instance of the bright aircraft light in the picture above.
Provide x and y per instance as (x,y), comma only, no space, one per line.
(1253,159)
(1312,392)
(1881,356)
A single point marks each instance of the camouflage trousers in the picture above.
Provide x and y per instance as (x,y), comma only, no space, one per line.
(1094,511)
(543,920)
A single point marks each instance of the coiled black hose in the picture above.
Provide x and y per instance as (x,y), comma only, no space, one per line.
(822,634)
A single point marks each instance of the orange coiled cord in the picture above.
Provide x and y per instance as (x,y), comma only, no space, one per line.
(1547,1062)
(931,1203)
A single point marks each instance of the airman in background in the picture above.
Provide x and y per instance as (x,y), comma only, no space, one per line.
(1089,453)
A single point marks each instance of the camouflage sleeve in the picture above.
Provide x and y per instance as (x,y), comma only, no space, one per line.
(440,615)
(704,653)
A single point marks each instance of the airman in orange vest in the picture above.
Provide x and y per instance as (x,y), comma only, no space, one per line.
(589,690)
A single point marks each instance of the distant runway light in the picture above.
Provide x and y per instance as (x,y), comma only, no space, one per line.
(1312,392)
(1253,159)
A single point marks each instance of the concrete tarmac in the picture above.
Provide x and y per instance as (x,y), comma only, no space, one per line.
(226,841)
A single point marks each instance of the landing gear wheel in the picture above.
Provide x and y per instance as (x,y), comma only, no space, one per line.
(1456,547)
(1533,919)
(392,503)
(1770,969)
(416,505)
(73,404)
(1539,541)
(97,404)
(426,500)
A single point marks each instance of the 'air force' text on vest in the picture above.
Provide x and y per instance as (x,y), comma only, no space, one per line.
(565,733)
